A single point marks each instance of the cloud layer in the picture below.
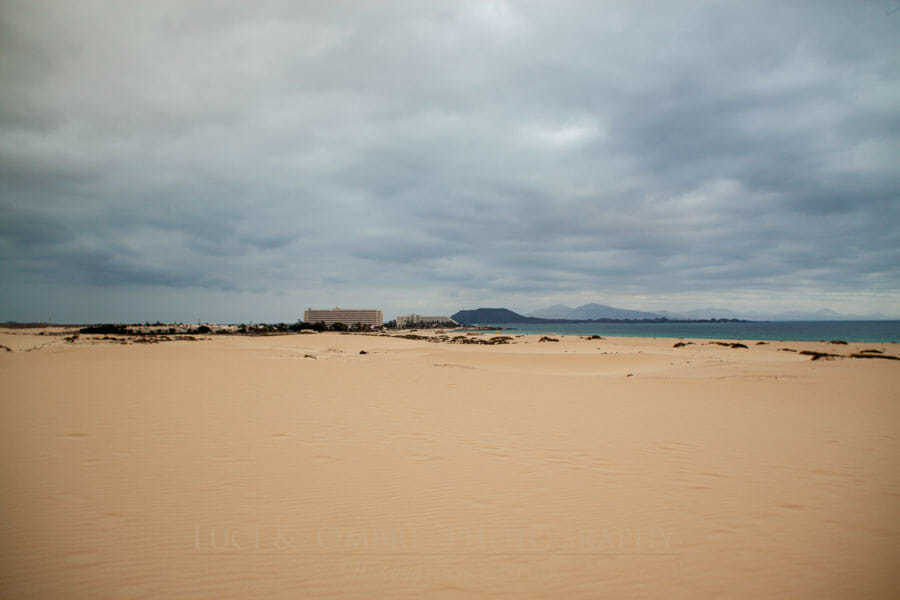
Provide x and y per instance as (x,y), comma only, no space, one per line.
(236,161)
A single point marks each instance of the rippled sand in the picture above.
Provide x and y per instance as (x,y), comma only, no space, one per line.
(236,467)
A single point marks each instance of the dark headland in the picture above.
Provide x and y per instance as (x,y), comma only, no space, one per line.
(490,316)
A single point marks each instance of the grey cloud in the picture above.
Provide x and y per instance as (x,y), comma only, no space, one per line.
(463,152)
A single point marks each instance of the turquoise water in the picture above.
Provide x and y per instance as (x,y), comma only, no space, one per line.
(851,331)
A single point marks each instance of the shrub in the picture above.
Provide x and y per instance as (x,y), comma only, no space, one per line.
(106,328)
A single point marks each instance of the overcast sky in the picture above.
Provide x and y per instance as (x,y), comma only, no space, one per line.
(243,161)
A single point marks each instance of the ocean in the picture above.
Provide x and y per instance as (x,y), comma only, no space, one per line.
(850,331)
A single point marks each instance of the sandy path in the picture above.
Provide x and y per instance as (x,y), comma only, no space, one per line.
(235,467)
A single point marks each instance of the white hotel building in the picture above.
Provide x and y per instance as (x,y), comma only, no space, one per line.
(347,316)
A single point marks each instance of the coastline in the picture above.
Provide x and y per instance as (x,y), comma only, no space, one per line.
(857,331)
(299,466)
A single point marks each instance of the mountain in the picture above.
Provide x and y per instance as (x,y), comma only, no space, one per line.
(494,316)
(587,312)
(598,312)
(557,311)
(489,316)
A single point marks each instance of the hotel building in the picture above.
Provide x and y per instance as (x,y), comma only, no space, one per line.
(347,316)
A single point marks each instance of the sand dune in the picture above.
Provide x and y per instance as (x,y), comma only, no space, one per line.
(293,466)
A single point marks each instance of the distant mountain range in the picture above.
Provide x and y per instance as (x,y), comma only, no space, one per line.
(589,312)
(600,311)
(492,316)
(595,312)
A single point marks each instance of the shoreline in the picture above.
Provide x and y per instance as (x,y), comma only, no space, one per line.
(230,331)
(855,331)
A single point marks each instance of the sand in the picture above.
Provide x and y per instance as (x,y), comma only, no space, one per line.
(237,467)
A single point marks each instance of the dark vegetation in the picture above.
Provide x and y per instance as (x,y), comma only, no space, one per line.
(817,355)
(457,339)
(884,356)
(106,329)
(281,328)
(160,329)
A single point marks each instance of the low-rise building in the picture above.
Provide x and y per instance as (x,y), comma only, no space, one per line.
(347,316)
(422,321)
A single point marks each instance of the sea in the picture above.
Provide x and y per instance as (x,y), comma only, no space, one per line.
(849,331)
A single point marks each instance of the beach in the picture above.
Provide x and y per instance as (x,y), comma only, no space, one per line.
(290,466)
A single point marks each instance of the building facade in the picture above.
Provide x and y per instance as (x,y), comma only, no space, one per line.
(414,319)
(347,316)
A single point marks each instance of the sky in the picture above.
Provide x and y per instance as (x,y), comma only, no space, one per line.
(241,161)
